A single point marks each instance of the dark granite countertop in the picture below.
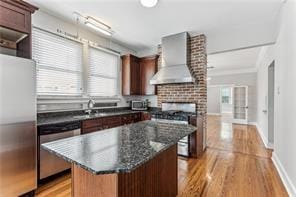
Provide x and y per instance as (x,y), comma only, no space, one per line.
(120,149)
(71,117)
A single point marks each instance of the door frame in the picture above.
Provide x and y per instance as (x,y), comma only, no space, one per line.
(241,121)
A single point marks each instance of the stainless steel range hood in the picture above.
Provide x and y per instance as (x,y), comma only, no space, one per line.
(174,67)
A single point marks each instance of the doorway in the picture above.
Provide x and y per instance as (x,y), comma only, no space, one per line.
(240,104)
(270,101)
(226,103)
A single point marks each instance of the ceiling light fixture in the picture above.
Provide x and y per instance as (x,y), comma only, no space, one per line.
(98,26)
(148,3)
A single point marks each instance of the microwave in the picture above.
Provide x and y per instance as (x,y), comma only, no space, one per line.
(139,105)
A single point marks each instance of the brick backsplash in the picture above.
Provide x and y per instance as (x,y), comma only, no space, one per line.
(189,92)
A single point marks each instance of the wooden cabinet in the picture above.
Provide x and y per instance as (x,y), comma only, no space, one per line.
(92,125)
(148,68)
(98,124)
(15,22)
(196,139)
(110,122)
(131,118)
(130,75)
(145,116)
(136,74)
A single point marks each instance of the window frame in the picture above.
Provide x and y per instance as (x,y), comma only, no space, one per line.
(60,96)
(230,96)
(118,93)
(84,97)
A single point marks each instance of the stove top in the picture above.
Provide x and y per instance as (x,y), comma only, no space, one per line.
(172,115)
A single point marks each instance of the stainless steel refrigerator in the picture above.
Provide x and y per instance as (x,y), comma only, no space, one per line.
(18,138)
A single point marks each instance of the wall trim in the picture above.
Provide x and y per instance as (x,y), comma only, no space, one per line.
(252,123)
(291,189)
(264,139)
(214,114)
(232,71)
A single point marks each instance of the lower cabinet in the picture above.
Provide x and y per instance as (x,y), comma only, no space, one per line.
(98,124)
(145,116)
(196,139)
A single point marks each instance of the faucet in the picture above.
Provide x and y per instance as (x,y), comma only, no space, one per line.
(90,105)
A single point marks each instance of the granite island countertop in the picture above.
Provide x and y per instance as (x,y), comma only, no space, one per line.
(120,149)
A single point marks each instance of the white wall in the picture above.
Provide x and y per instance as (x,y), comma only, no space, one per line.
(284,155)
(51,23)
(48,22)
(285,101)
(267,55)
(213,100)
(249,79)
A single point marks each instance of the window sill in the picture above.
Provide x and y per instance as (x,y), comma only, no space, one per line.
(73,100)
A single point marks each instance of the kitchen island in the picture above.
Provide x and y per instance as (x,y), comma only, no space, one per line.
(138,159)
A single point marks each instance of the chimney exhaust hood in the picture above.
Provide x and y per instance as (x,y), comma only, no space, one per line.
(174,67)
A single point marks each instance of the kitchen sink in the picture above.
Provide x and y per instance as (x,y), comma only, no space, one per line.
(85,116)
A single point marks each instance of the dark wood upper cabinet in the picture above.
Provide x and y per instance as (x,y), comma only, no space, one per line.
(15,23)
(130,75)
(136,74)
(148,68)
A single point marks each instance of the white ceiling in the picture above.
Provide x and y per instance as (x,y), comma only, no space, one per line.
(234,62)
(228,24)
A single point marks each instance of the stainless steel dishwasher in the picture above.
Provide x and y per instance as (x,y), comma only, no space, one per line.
(49,164)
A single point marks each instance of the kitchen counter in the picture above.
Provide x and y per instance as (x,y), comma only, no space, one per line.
(121,149)
(72,117)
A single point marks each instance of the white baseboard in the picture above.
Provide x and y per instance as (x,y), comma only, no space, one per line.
(291,189)
(264,139)
(214,114)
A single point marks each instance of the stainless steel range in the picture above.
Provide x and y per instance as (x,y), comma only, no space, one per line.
(177,113)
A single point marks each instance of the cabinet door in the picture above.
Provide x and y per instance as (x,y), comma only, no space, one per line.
(135,76)
(196,138)
(148,68)
(145,116)
(130,75)
(110,122)
(93,125)
(15,18)
(126,75)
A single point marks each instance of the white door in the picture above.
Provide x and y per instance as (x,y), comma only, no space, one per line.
(240,104)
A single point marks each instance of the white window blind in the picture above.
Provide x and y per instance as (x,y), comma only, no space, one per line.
(59,64)
(103,73)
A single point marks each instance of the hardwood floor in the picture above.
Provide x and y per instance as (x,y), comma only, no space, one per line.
(236,163)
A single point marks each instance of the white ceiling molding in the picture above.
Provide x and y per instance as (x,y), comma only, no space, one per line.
(232,71)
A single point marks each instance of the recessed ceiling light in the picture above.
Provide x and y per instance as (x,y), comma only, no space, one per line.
(149,3)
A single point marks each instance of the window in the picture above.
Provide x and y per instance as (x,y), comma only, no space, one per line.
(103,73)
(226,95)
(59,64)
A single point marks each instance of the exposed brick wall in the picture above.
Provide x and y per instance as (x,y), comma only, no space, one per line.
(197,92)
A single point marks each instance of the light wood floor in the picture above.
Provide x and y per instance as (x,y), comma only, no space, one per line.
(234,164)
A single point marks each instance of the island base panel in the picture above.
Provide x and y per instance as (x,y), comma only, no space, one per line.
(85,183)
(157,177)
